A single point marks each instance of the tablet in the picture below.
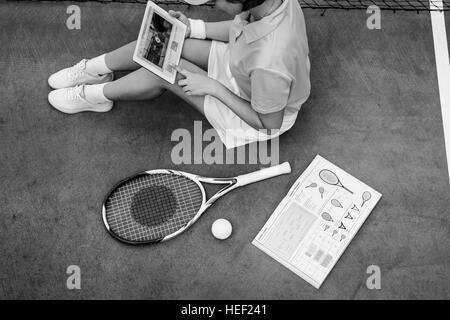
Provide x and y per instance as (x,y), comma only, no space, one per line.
(160,42)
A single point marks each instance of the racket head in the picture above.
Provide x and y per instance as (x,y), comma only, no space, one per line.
(366,195)
(329,177)
(153,206)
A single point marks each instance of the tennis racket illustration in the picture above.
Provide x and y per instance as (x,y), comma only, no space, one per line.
(158,205)
(331,178)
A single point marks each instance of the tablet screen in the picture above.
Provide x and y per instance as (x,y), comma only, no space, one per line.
(160,42)
(155,40)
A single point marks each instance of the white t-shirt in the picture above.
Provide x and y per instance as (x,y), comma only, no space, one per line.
(269,59)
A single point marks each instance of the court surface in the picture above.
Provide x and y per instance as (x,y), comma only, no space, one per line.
(374,111)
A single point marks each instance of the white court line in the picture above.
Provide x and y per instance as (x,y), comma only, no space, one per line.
(443,70)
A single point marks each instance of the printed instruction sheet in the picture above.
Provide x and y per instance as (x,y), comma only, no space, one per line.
(315,222)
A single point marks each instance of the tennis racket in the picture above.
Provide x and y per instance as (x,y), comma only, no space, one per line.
(158,205)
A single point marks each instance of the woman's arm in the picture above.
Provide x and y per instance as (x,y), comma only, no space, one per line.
(199,84)
(214,30)
(218,30)
(244,110)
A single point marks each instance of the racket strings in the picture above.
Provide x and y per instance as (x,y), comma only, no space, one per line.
(158,200)
(150,207)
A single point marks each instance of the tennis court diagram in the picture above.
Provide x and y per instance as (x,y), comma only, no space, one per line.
(379,108)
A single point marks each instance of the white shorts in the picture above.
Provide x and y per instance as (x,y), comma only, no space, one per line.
(232,130)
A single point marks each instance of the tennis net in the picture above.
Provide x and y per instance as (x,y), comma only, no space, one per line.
(414,5)
(408,5)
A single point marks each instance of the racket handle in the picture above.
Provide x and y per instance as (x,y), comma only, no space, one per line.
(263,174)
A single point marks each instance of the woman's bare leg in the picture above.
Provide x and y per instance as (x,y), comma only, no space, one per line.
(144,85)
(197,52)
(121,59)
(194,50)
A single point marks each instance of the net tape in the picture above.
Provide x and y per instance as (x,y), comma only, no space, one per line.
(408,5)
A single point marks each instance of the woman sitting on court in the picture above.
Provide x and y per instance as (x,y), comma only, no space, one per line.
(243,75)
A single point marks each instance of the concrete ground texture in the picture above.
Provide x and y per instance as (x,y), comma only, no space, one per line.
(374,111)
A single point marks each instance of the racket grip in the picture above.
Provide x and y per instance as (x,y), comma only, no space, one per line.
(263,174)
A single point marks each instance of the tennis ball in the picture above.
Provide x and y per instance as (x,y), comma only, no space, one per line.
(196,2)
(221,229)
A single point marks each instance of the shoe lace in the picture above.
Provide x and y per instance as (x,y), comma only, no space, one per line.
(77,70)
(75,93)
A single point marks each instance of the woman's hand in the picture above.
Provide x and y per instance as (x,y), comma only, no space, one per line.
(180,16)
(195,84)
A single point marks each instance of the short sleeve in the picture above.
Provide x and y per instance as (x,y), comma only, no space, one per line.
(269,90)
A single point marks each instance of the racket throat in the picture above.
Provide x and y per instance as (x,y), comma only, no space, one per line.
(230,185)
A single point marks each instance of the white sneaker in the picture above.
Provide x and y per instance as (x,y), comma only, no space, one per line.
(72,100)
(76,75)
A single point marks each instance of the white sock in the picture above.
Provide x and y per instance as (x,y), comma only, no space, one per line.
(94,93)
(98,65)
